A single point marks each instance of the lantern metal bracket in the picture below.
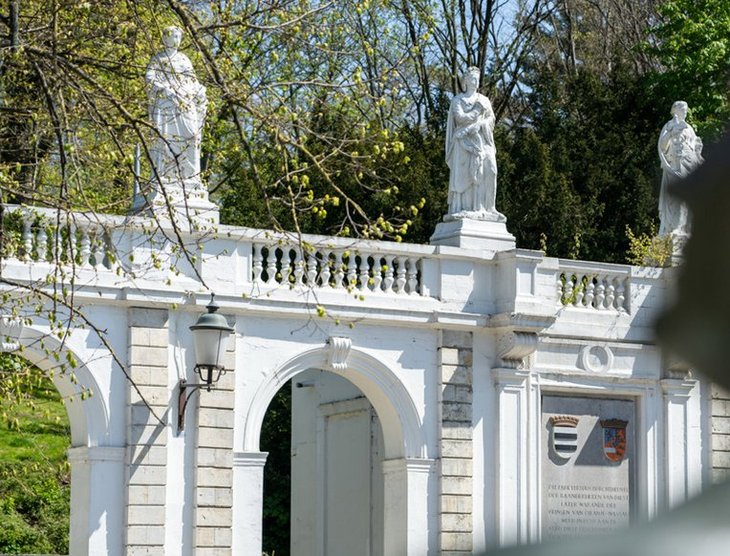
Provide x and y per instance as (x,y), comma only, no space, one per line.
(183,386)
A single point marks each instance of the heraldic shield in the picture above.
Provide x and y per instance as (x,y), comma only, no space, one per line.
(614,439)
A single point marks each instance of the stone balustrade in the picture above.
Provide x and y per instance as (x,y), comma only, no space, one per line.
(594,286)
(348,267)
(46,235)
(277,262)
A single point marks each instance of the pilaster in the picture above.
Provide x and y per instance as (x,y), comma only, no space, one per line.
(248,499)
(720,433)
(680,482)
(146,457)
(455,444)
(214,469)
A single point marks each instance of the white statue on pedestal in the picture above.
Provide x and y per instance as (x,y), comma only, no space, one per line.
(471,154)
(177,106)
(680,152)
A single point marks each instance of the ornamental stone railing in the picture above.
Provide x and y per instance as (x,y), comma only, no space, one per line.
(594,286)
(350,267)
(118,251)
(47,235)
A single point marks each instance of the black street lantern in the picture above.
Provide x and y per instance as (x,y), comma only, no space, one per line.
(210,334)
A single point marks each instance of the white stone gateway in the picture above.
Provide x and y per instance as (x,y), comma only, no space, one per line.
(680,152)
(177,107)
(473,220)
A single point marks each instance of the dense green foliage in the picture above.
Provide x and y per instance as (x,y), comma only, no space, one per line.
(276,440)
(34,475)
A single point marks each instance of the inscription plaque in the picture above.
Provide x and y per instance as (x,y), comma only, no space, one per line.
(591,490)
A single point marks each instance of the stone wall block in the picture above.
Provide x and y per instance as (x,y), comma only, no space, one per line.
(213,517)
(456,374)
(145,515)
(215,457)
(209,496)
(147,454)
(456,485)
(155,396)
(456,541)
(217,399)
(147,475)
(721,425)
(721,442)
(215,438)
(456,504)
(145,337)
(212,477)
(456,393)
(151,356)
(456,412)
(456,522)
(456,448)
(146,495)
(218,418)
(146,536)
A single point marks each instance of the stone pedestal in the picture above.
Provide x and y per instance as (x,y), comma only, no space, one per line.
(187,204)
(474,234)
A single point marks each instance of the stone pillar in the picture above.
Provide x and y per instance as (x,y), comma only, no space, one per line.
(680,482)
(455,444)
(146,436)
(511,458)
(248,501)
(720,433)
(517,465)
(407,483)
(97,497)
(214,474)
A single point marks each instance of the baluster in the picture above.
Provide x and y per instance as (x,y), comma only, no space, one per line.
(559,284)
(298,267)
(579,291)
(27,238)
(620,295)
(351,269)
(568,289)
(610,293)
(285,265)
(72,247)
(326,273)
(364,269)
(84,246)
(377,273)
(271,264)
(339,269)
(99,247)
(388,280)
(312,269)
(600,293)
(412,276)
(42,241)
(590,287)
(400,282)
(258,262)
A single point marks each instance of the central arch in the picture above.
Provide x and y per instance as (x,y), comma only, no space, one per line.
(402,430)
(407,474)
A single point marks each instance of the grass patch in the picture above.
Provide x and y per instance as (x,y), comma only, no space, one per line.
(34,473)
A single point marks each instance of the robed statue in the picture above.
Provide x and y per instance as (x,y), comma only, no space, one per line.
(680,152)
(177,106)
(471,154)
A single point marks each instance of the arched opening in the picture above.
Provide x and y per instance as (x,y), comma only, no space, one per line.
(408,476)
(95,468)
(35,478)
(323,479)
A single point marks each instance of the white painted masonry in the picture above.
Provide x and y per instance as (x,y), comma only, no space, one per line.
(452,348)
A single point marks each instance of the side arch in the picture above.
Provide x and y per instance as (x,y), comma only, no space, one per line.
(89,419)
(402,430)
